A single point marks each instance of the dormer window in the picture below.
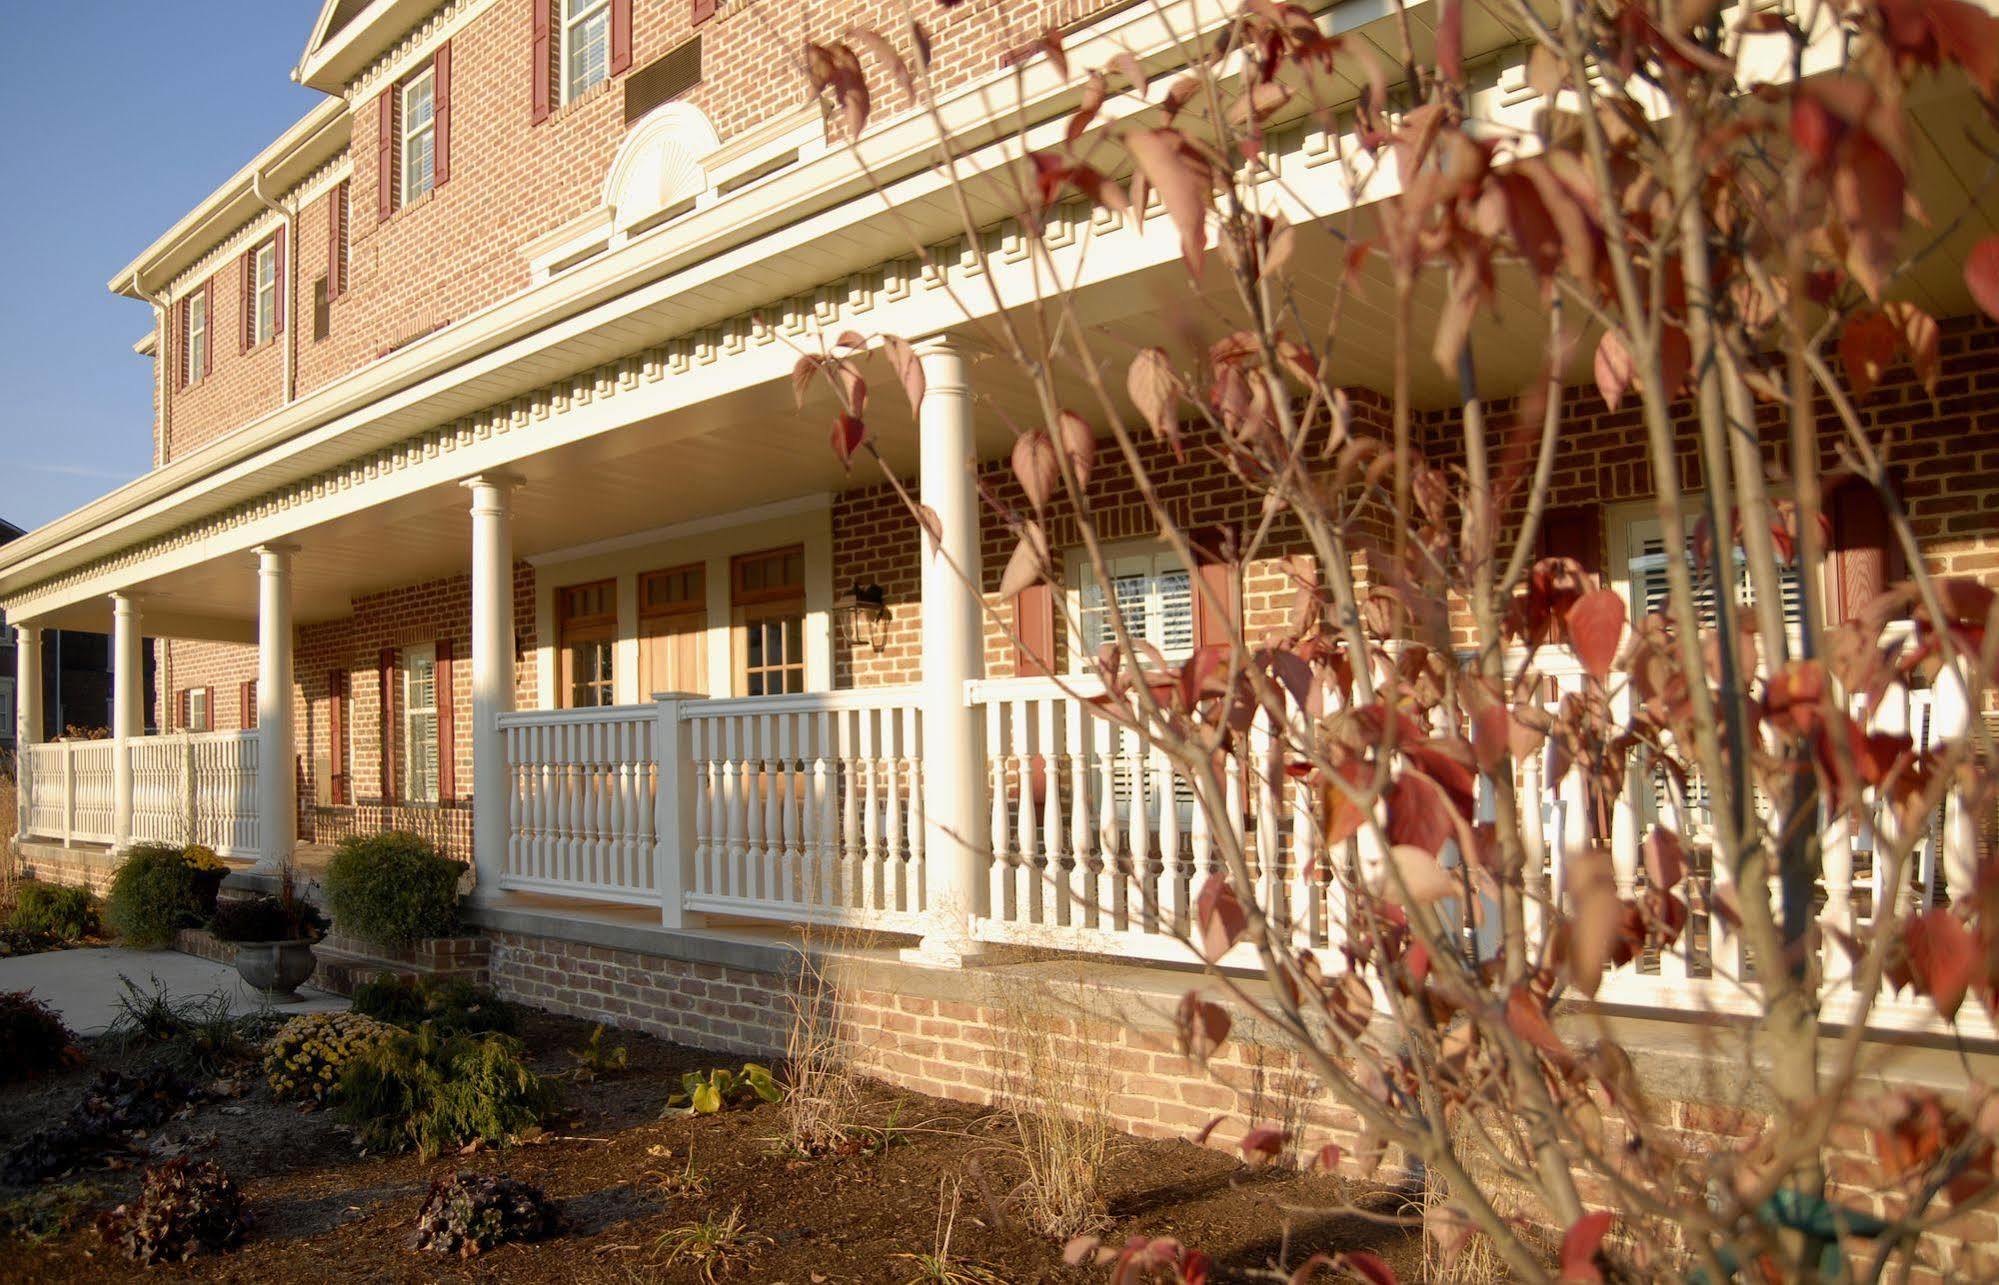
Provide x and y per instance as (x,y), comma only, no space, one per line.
(419,135)
(586,46)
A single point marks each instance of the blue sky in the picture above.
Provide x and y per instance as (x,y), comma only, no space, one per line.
(121,115)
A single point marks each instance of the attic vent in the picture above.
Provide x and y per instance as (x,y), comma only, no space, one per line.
(663,79)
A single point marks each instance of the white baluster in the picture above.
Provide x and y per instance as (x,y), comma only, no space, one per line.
(1082,833)
(1054,835)
(1027,869)
(912,730)
(999,873)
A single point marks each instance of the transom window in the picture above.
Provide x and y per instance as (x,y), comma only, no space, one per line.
(586,46)
(587,618)
(264,294)
(767,591)
(419,135)
(1153,593)
(196,355)
(420,724)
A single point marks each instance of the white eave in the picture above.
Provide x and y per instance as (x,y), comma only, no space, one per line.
(316,139)
(331,61)
(147,344)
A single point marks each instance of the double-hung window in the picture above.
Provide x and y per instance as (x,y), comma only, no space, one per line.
(199,717)
(1647,550)
(264,294)
(420,725)
(419,135)
(586,46)
(587,626)
(1153,593)
(196,349)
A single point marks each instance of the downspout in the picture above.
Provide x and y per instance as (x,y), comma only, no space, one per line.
(289,285)
(162,376)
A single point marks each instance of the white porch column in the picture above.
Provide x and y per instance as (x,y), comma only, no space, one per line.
(953,655)
(277,780)
(27,686)
(128,716)
(492,671)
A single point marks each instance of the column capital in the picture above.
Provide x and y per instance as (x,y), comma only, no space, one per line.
(498,480)
(28,635)
(274,549)
(126,601)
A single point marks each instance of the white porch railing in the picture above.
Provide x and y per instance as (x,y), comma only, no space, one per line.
(198,788)
(583,787)
(809,808)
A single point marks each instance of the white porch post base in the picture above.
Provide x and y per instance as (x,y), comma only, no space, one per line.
(277,782)
(953,655)
(127,718)
(492,673)
(27,716)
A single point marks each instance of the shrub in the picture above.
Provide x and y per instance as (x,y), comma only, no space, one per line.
(44,1215)
(435,1091)
(449,1003)
(393,889)
(114,1103)
(196,1035)
(306,1057)
(153,896)
(467,1214)
(266,918)
(63,912)
(187,1206)
(33,1036)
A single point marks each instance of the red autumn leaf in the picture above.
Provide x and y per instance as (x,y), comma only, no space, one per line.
(1328,1159)
(802,372)
(1219,919)
(1981,275)
(1079,443)
(1155,389)
(1418,877)
(1527,1018)
(1451,40)
(1665,860)
(1182,179)
(1920,338)
(1942,957)
(1579,1246)
(1613,369)
(1596,919)
(1029,563)
(1035,466)
(1866,349)
(1369,1267)
(1203,1026)
(1596,629)
(1262,1145)
(849,434)
(908,368)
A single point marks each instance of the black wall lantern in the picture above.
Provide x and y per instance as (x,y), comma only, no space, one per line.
(862,616)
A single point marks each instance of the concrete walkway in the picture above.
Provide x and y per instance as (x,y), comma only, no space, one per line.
(83,985)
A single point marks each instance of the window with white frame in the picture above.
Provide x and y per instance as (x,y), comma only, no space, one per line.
(195,350)
(6,708)
(1647,549)
(1153,593)
(586,46)
(419,135)
(264,294)
(420,725)
(199,719)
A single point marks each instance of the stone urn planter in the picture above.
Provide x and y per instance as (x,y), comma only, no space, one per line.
(276,969)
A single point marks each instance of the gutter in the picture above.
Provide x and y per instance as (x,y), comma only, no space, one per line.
(288,288)
(163,375)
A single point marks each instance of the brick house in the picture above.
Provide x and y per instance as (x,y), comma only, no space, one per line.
(481,508)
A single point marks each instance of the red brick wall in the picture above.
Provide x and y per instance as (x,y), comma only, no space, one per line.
(457,250)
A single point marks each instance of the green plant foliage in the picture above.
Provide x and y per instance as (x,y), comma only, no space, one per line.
(306,1057)
(196,1035)
(393,889)
(594,1061)
(61,911)
(266,918)
(33,1038)
(467,1214)
(153,896)
(187,1206)
(722,1088)
(46,1214)
(712,1248)
(433,1091)
(448,1003)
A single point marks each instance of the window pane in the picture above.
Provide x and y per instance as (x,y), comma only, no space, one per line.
(589,51)
(1176,611)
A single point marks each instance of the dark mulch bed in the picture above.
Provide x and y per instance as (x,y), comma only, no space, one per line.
(323,1212)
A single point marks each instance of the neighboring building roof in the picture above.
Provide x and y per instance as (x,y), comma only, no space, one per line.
(9,531)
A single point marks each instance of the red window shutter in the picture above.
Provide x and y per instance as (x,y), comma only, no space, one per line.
(246,701)
(1216,623)
(387,674)
(385,154)
(447,755)
(208,719)
(333,212)
(178,347)
(1034,627)
(541,54)
(1574,531)
(182,714)
(280,297)
(621,37)
(1866,558)
(336,736)
(208,314)
(441,157)
(703,10)
(248,294)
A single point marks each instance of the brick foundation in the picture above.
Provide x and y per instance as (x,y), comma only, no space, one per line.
(345,962)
